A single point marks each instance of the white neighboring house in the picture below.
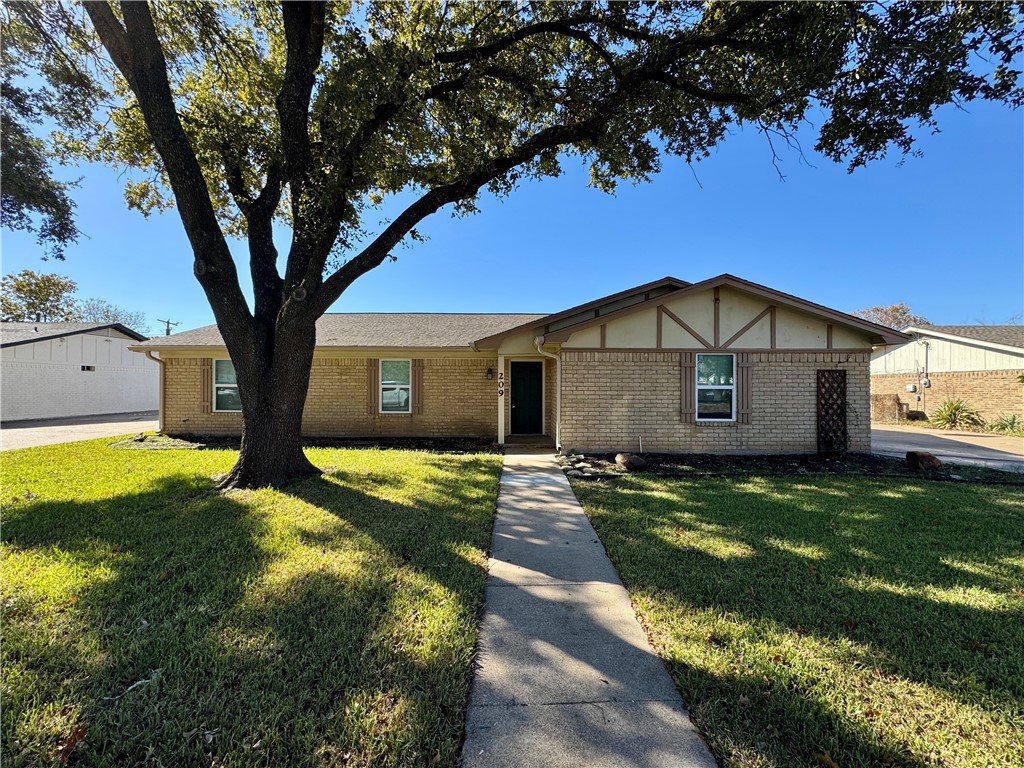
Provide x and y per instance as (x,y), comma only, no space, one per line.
(58,370)
(979,364)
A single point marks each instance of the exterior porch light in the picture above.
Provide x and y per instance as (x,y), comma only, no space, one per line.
(490,374)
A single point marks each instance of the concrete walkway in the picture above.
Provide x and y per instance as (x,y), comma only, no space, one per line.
(565,675)
(29,434)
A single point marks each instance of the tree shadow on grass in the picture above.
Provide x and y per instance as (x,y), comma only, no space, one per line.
(187,627)
(887,575)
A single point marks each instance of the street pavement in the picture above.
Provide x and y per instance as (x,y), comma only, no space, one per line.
(985,449)
(29,434)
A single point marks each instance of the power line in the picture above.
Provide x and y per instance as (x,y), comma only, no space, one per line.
(169,324)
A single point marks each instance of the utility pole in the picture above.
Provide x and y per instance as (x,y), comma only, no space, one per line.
(168,324)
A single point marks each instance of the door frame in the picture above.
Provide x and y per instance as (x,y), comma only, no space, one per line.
(509,359)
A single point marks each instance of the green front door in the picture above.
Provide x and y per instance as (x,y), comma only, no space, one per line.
(527,393)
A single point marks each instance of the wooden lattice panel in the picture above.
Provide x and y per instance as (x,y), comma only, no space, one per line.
(831,411)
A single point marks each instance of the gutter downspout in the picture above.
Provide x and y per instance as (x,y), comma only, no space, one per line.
(558,390)
(158,361)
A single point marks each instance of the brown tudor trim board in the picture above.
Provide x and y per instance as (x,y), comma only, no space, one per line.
(685,327)
(767,311)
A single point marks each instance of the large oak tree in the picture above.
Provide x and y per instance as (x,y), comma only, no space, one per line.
(243,113)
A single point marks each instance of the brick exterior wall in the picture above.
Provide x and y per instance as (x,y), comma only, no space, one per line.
(610,398)
(183,401)
(993,394)
(458,401)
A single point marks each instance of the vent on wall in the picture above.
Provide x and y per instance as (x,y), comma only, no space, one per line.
(88,367)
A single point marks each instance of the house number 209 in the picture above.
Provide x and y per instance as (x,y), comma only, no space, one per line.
(501,383)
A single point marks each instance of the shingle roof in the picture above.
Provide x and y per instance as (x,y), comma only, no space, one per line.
(14,333)
(408,329)
(1009,335)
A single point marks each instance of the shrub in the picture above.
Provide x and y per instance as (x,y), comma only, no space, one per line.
(1007,424)
(956,414)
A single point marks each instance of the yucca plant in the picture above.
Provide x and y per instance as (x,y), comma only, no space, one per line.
(1007,424)
(956,414)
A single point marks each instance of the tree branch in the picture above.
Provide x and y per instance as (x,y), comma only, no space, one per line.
(698,92)
(235,180)
(462,55)
(375,253)
(304,37)
(654,70)
(136,51)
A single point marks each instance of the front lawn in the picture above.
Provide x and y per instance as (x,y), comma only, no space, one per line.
(831,621)
(148,620)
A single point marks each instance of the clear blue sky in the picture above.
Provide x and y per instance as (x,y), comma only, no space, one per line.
(943,232)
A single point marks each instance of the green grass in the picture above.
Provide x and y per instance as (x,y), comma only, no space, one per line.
(817,620)
(330,623)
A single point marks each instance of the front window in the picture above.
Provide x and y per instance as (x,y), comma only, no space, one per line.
(396,386)
(716,387)
(225,387)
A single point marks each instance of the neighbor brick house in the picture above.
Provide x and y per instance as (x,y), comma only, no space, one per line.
(979,364)
(724,365)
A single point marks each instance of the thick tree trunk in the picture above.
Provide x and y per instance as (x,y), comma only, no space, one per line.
(272,384)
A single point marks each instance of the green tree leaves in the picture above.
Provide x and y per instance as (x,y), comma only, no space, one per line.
(30,297)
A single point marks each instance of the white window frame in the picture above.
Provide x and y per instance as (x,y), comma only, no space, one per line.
(380,386)
(698,387)
(214,385)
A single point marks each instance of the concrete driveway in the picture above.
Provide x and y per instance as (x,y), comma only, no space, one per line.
(29,434)
(980,448)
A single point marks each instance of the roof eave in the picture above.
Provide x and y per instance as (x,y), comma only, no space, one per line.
(115,326)
(915,331)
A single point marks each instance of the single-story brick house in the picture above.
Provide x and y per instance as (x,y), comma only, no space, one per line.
(979,364)
(723,365)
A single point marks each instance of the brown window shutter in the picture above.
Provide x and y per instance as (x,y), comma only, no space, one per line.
(372,385)
(417,386)
(206,384)
(687,388)
(744,388)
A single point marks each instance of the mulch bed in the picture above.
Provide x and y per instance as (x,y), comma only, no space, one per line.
(431,445)
(708,465)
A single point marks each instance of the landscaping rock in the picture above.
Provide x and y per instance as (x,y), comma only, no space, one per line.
(922,460)
(574,473)
(630,462)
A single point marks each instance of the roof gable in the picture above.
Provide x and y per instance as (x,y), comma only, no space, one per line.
(879,333)
(598,308)
(13,334)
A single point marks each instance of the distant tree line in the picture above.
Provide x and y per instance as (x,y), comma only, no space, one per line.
(28,297)
(896,316)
